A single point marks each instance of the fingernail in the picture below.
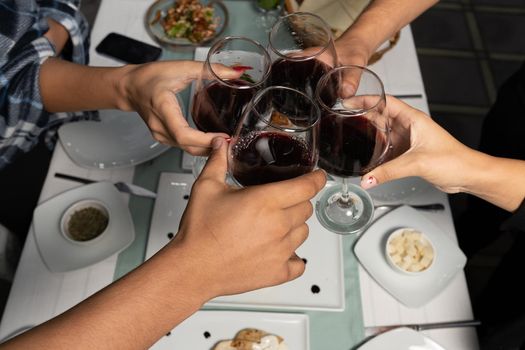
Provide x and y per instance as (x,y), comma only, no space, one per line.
(217,142)
(241,68)
(369,182)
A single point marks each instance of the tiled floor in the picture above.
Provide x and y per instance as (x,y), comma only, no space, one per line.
(479,44)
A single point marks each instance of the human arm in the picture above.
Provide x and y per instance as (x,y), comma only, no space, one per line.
(148,89)
(435,155)
(229,241)
(378,22)
(57,35)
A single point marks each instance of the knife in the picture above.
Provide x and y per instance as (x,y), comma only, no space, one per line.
(121,186)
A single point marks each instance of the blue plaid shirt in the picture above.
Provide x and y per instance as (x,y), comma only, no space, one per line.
(23,48)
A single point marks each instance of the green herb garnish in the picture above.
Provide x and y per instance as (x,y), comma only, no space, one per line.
(247,77)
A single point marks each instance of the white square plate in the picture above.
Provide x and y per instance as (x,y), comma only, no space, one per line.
(401,339)
(411,290)
(322,249)
(204,329)
(58,253)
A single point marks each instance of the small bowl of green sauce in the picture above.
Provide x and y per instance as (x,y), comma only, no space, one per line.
(85,221)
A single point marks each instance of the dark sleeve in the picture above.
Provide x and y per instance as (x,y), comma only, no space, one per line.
(517,221)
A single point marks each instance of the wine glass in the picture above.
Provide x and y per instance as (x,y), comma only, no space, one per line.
(354,139)
(218,100)
(276,139)
(303,50)
(270,11)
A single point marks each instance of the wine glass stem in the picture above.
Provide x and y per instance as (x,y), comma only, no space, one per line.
(346,201)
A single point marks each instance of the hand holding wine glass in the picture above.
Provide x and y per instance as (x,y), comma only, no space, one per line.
(422,148)
(354,138)
(219,97)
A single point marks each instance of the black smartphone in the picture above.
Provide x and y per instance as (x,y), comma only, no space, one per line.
(127,49)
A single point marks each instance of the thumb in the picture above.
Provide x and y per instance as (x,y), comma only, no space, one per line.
(400,167)
(217,164)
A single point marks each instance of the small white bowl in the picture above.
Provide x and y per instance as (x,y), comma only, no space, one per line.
(415,267)
(83,204)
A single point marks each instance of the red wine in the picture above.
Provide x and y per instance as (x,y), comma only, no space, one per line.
(265,157)
(301,75)
(218,107)
(349,146)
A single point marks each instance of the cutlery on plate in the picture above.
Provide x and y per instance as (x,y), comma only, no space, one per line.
(432,206)
(423,326)
(121,186)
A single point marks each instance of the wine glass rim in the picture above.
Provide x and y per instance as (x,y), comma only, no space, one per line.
(259,95)
(224,81)
(382,96)
(301,58)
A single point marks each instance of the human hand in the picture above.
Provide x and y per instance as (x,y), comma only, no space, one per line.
(150,90)
(245,239)
(352,50)
(57,35)
(422,148)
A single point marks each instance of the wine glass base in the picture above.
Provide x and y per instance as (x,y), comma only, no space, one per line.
(347,218)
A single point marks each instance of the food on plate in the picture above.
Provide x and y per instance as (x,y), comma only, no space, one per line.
(87,224)
(252,339)
(188,19)
(410,250)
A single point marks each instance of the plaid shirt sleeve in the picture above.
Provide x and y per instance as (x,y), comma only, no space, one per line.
(23,48)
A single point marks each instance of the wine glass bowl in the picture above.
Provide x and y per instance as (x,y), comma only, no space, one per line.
(354,139)
(302,49)
(276,138)
(219,99)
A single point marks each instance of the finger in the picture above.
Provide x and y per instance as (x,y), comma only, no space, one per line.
(216,166)
(296,267)
(197,151)
(177,126)
(401,112)
(297,236)
(190,70)
(291,192)
(223,72)
(350,79)
(299,213)
(403,166)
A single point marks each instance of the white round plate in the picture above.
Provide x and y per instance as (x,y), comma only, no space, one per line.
(60,254)
(411,290)
(401,339)
(119,139)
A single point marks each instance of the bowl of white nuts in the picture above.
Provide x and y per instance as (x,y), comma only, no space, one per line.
(409,251)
